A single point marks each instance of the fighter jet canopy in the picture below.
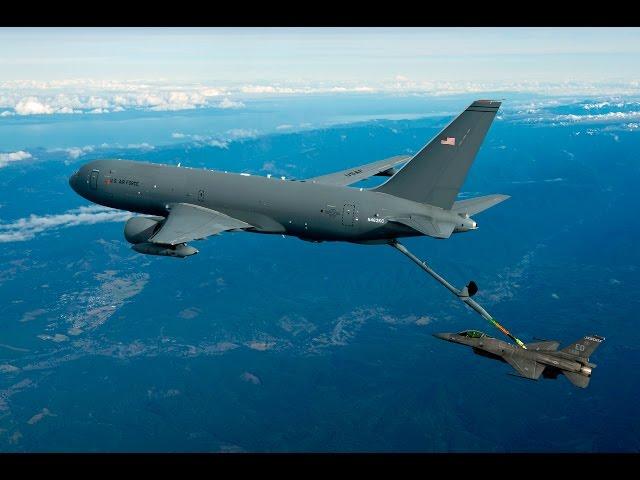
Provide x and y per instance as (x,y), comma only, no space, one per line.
(473,334)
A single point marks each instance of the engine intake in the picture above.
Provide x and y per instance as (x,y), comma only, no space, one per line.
(141,229)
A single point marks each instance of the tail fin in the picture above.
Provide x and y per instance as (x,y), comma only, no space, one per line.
(435,174)
(584,347)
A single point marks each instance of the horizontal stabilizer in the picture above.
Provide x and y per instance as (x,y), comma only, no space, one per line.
(426,226)
(343,178)
(478,204)
(577,379)
(549,345)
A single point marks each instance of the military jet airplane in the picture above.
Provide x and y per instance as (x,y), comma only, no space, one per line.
(180,204)
(539,358)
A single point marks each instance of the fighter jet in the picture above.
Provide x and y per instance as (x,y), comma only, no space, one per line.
(539,358)
(180,204)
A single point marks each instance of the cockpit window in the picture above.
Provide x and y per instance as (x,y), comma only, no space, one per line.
(473,334)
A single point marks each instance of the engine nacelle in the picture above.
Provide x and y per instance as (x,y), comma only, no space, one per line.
(140,229)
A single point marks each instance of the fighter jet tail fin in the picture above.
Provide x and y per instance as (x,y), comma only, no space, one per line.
(584,347)
(577,379)
(435,174)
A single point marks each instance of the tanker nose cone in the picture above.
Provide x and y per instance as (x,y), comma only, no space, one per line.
(72,182)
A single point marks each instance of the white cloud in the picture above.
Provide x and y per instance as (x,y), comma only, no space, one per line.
(250,378)
(27,228)
(304,89)
(203,139)
(598,117)
(228,103)
(141,146)
(600,105)
(240,133)
(265,89)
(218,143)
(285,126)
(7,158)
(212,92)
(32,106)
(77,152)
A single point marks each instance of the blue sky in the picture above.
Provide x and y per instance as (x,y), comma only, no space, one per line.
(364,56)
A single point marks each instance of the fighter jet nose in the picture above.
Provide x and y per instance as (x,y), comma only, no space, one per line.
(442,336)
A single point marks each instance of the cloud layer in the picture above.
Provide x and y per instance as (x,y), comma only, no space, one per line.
(95,97)
(7,158)
(28,228)
(87,96)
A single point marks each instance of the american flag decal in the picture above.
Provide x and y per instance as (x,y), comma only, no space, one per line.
(448,141)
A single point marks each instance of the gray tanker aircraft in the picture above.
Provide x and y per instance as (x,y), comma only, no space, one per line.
(539,358)
(181,204)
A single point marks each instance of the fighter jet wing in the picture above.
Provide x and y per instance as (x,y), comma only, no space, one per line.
(188,222)
(525,367)
(426,226)
(347,177)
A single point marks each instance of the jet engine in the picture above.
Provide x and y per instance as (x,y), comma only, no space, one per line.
(140,229)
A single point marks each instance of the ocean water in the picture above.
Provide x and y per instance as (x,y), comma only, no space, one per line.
(264,343)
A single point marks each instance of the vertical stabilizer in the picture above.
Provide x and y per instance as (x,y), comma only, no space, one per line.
(435,174)
(584,347)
